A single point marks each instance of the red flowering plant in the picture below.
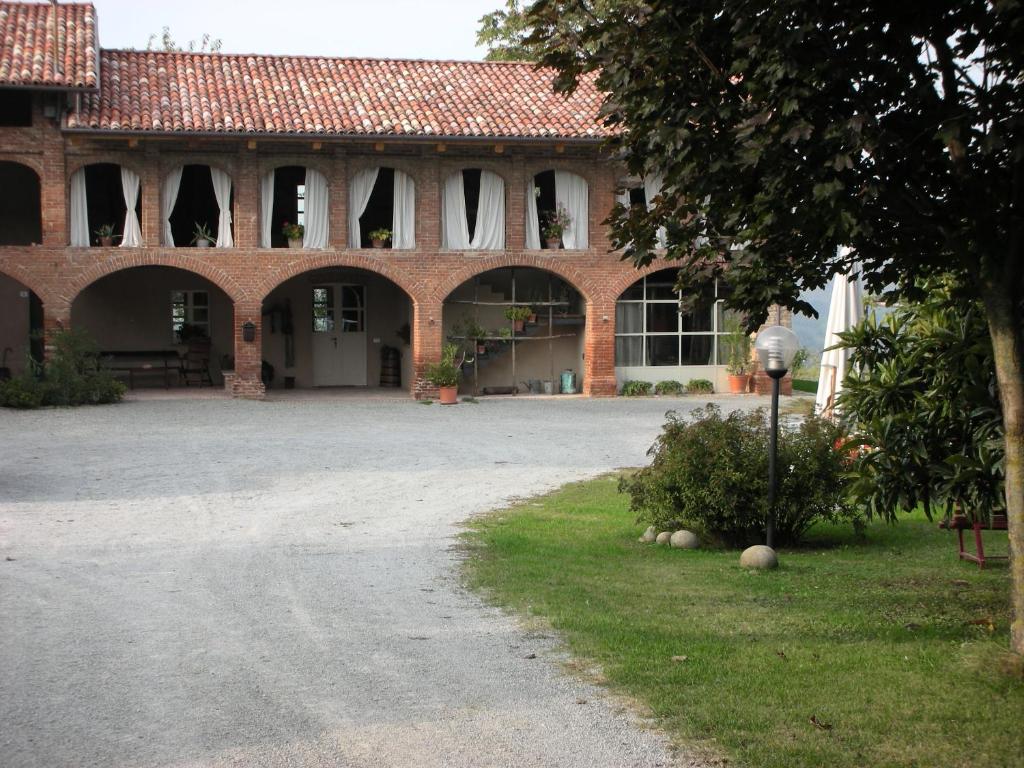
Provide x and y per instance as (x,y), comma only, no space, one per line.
(292,231)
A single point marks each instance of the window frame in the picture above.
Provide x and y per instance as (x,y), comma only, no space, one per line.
(189,308)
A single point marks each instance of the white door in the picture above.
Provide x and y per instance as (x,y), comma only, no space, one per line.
(339,335)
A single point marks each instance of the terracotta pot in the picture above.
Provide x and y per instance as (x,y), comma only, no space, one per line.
(449,395)
(481,349)
(518,325)
(739,383)
(106,242)
(378,243)
(554,243)
(532,318)
(294,242)
(202,243)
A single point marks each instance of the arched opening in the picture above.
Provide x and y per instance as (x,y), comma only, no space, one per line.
(473,211)
(159,326)
(197,201)
(21,327)
(382,209)
(99,210)
(641,193)
(294,208)
(520,328)
(21,221)
(654,341)
(337,327)
(557,211)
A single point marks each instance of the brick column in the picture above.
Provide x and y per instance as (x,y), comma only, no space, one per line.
(428,200)
(515,215)
(599,349)
(53,196)
(247,201)
(56,317)
(338,203)
(246,381)
(151,183)
(426,344)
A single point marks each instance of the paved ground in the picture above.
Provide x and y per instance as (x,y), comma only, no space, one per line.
(219,582)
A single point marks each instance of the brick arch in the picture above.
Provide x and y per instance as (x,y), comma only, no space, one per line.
(27,279)
(618,286)
(579,168)
(84,162)
(584,285)
(327,259)
(30,162)
(120,262)
(470,164)
(321,164)
(221,164)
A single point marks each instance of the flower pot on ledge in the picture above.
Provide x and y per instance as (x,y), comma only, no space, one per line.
(554,243)
(378,243)
(448,395)
(518,325)
(294,242)
(106,242)
(739,383)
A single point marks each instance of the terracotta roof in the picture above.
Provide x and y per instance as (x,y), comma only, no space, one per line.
(152,91)
(28,48)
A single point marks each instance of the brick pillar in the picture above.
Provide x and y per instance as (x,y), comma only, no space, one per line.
(247,201)
(338,197)
(426,344)
(151,183)
(53,196)
(599,349)
(602,198)
(515,211)
(56,317)
(246,381)
(428,198)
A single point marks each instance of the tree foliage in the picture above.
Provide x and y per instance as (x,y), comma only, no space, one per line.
(922,400)
(164,41)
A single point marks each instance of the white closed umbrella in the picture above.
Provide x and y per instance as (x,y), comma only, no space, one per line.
(845,310)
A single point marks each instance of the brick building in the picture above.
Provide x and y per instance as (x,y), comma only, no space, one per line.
(461,161)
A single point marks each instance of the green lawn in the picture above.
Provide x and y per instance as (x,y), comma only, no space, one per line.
(805,385)
(889,641)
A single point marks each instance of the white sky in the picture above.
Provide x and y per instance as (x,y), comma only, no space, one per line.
(415,29)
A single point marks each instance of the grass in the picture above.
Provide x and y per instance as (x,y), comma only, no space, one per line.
(805,385)
(888,641)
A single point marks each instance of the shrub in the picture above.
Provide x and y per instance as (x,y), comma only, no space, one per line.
(448,371)
(700,387)
(668,388)
(710,473)
(636,388)
(72,375)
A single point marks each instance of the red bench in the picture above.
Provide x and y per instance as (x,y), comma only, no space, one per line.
(960,523)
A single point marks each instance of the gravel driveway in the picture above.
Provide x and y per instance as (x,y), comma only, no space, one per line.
(220,582)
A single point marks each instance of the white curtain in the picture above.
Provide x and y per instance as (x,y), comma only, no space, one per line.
(532,223)
(132,237)
(652,188)
(168,197)
(358,196)
(222,191)
(267,209)
(317,226)
(454,224)
(404,223)
(489,234)
(571,192)
(79,210)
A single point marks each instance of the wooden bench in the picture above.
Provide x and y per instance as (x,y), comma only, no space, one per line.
(163,362)
(960,523)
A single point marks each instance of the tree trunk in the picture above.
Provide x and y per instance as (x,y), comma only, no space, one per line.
(1008,347)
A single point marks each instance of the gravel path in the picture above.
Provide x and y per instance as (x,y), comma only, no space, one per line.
(219,582)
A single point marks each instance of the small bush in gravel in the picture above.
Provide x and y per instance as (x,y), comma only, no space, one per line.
(72,375)
(636,388)
(710,473)
(668,387)
(700,387)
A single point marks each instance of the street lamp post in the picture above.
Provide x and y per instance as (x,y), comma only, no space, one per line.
(776,347)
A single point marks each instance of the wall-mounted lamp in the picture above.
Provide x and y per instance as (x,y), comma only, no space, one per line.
(248,331)
(604,318)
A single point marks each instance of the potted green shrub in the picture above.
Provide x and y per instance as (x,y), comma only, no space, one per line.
(517,315)
(201,236)
(105,235)
(555,224)
(445,374)
(293,234)
(380,237)
(736,344)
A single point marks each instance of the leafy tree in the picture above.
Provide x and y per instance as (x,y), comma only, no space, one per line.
(165,42)
(787,128)
(922,399)
(504,33)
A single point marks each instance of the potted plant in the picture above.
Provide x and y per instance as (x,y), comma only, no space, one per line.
(201,236)
(737,351)
(293,234)
(106,235)
(379,237)
(518,315)
(555,224)
(445,374)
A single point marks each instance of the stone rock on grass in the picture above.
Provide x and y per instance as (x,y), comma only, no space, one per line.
(664,537)
(760,557)
(649,535)
(684,540)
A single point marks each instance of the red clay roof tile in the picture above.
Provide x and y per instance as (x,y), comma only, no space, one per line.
(29,52)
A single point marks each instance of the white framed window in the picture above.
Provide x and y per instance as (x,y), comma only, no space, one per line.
(190,308)
(300,205)
(650,331)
